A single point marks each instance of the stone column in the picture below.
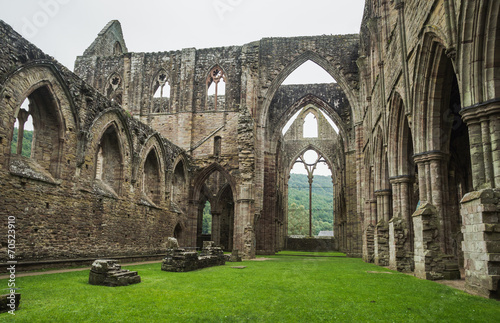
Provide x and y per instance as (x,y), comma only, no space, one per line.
(190,232)
(216,228)
(483,123)
(22,117)
(244,222)
(432,186)
(382,228)
(368,236)
(400,233)
(481,245)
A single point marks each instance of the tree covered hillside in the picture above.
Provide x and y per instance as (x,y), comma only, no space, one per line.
(298,204)
(27,138)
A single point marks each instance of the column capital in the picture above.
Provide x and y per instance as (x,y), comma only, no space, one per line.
(429,155)
(402,179)
(384,192)
(473,113)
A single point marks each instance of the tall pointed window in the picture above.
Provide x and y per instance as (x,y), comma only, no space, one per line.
(161,96)
(36,133)
(109,160)
(216,88)
(114,89)
(310,126)
(217,146)
(151,179)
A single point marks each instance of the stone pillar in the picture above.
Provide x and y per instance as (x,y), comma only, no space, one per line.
(369,229)
(382,228)
(400,226)
(190,231)
(22,117)
(481,229)
(483,123)
(244,222)
(430,262)
(216,228)
(431,184)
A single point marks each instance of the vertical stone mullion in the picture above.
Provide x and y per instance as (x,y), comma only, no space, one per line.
(487,158)
(495,147)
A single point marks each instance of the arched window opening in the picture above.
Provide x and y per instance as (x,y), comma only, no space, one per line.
(109,160)
(207,219)
(178,233)
(217,146)
(215,214)
(309,73)
(310,126)
(310,196)
(162,86)
(117,48)
(179,188)
(36,133)
(161,93)
(216,88)
(114,89)
(151,182)
(22,136)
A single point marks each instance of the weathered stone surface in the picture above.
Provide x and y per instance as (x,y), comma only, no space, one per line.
(179,260)
(9,302)
(415,99)
(108,272)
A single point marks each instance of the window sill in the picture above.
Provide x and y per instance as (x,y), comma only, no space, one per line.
(28,168)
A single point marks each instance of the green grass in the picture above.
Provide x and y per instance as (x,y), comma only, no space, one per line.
(311,253)
(285,288)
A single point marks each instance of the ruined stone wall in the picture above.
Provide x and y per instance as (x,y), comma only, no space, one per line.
(416,62)
(63,211)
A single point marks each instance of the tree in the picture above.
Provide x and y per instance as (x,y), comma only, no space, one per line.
(298,220)
(207,220)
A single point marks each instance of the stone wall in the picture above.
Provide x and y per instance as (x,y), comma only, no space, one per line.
(62,209)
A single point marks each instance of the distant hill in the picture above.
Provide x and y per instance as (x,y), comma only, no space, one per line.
(27,139)
(298,204)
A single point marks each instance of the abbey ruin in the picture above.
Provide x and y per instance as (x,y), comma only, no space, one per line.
(128,148)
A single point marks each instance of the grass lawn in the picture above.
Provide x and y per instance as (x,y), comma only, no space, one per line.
(281,289)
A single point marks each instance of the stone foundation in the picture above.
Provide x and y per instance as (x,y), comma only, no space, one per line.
(430,262)
(400,258)
(382,244)
(481,229)
(107,272)
(178,260)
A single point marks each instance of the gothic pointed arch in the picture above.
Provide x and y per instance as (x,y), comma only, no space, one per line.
(179,185)
(52,110)
(114,88)
(203,175)
(299,60)
(152,170)
(109,159)
(478,54)
(215,88)
(161,89)
(319,104)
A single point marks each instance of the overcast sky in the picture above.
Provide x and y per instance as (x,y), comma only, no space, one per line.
(65,28)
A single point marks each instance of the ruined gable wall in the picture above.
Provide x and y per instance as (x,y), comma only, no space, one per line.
(74,215)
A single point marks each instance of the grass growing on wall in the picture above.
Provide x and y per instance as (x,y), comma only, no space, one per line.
(281,289)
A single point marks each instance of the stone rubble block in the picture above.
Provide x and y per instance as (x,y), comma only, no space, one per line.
(179,260)
(108,272)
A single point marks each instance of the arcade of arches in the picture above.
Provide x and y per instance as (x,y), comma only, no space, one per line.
(128,149)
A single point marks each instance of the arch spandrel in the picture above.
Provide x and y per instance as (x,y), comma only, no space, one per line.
(332,66)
